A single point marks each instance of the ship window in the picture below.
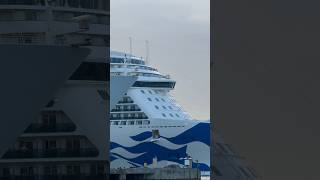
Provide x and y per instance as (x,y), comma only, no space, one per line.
(164,107)
(123,123)
(146,122)
(142,91)
(149,99)
(155,91)
(131,122)
(92,71)
(117,60)
(177,115)
(170,107)
(115,122)
(154,84)
(157,99)
(163,100)
(164,115)
(157,107)
(171,115)
(139,122)
(150,92)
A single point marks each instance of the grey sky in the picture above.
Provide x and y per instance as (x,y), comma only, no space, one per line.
(178,33)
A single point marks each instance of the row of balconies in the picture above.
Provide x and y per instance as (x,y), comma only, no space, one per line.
(125,100)
(50,128)
(126,108)
(125,116)
(50,153)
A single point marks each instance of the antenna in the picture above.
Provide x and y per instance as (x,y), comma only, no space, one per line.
(130,41)
(147,51)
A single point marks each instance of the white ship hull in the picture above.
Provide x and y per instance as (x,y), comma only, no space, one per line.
(29,77)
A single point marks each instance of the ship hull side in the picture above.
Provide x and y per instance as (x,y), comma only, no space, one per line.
(29,76)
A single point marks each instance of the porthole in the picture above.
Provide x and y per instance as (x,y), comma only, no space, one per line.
(170,107)
(163,100)
(157,99)
(157,107)
(142,91)
(164,115)
(171,115)
(164,107)
(149,99)
(150,92)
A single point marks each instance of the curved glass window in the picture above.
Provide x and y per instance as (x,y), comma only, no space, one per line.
(136,61)
(117,60)
(92,71)
(154,84)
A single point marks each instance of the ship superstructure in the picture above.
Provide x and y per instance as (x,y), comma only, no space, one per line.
(148,125)
(58,79)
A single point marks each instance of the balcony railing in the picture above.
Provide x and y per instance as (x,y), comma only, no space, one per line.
(125,101)
(50,153)
(59,127)
(124,118)
(128,109)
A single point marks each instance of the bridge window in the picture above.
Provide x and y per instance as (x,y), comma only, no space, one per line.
(92,71)
(154,84)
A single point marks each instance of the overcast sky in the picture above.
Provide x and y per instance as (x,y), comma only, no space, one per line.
(178,33)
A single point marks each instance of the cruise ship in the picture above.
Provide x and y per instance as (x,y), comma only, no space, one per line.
(148,127)
(54,79)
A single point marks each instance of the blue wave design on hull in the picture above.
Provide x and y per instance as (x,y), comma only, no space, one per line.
(152,150)
(142,136)
(200,133)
